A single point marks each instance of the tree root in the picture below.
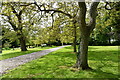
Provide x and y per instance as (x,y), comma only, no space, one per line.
(87,68)
(82,68)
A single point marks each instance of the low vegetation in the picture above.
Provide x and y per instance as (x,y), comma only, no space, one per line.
(102,59)
(17,52)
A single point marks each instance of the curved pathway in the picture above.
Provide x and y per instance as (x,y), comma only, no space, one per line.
(11,63)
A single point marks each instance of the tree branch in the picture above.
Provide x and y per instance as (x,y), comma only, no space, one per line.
(9,20)
(52,19)
(82,14)
(26,4)
(14,11)
(93,14)
(59,11)
(107,3)
(53,10)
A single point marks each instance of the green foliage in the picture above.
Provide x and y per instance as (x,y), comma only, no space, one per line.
(58,64)
(17,21)
(115,20)
(107,27)
(7,45)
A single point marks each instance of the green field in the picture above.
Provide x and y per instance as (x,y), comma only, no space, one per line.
(102,59)
(17,52)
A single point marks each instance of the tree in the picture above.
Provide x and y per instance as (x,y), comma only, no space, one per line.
(101,34)
(106,32)
(67,10)
(15,20)
(19,19)
(85,31)
(85,28)
(107,28)
(115,18)
(9,36)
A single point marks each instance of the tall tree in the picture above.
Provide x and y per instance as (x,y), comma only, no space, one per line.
(85,31)
(17,28)
(16,16)
(115,20)
(67,10)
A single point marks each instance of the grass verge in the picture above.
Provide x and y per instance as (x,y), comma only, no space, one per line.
(103,59)
(17,52)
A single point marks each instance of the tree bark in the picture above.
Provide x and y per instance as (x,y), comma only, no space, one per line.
(75,36)
(109,41)
(85,30)
(82,55)
(23,43)
(84,51)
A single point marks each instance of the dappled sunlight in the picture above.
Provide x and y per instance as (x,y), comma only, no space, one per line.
(59,64)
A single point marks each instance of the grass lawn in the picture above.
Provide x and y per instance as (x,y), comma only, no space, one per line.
(17,52)
(58,64)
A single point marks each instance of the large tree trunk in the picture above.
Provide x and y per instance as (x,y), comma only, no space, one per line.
(82,55)
(85,30)
(23,43)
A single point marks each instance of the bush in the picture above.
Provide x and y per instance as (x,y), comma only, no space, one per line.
(7,48)
(115,43)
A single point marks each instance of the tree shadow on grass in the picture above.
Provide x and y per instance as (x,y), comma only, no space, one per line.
(65,54)
(103,55)
(71,47)
(104,60)
(101,60)
(101,74)
(67,58)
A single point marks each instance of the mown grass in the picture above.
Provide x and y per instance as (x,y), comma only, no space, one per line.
(17,52)
(102,59)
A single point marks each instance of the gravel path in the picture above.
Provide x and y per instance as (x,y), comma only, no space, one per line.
(11,63)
